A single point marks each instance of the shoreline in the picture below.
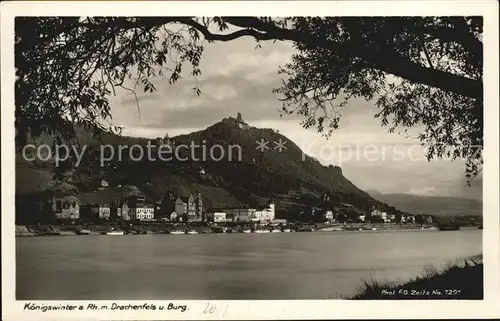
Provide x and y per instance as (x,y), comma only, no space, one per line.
(73,230)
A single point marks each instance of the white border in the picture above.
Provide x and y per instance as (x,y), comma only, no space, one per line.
(297,309)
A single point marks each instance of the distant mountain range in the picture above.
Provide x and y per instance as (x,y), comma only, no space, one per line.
(436,205)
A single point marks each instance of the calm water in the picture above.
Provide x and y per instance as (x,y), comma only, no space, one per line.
(228,266)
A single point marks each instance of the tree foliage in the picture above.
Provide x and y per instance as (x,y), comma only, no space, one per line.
(423,71)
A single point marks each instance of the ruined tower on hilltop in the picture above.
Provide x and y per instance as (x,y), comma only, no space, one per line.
(241,122)
(166,140)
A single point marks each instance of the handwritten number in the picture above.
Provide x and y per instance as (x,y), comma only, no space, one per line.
(210,309)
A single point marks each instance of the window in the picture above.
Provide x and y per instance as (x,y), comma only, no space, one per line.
(66,205)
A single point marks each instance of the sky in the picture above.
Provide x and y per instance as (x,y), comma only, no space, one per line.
(238,77)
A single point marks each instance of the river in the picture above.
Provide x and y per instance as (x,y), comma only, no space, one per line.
(322,265)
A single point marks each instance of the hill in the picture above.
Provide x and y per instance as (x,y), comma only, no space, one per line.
(436,205)
(243,176)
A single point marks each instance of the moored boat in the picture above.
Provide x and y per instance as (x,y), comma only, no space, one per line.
(192,232)
(115,233)
(247,231)
(177,232)
(276,231)
(219,229)
(83,232)
(448,227)
(287,230)
(262,231)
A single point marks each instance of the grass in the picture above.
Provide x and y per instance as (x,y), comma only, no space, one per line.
(461,280)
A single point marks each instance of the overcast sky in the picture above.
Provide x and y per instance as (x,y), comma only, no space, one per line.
(237,77)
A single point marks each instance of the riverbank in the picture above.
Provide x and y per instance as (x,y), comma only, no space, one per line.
(200,228)
(461,280)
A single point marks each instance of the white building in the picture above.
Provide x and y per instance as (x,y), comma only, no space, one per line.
(265,215)
(278,221)
(239,214)
(123,212)
(104,211)
(146,212)
(104,184)
(219,217)
(67,207)
(375,212)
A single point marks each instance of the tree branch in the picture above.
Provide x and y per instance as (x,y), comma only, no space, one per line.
(389,62)
(385,61)
(224,37)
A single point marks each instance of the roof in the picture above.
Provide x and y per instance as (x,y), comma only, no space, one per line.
(67,197)
(347,205)
(185,199)
(238,208)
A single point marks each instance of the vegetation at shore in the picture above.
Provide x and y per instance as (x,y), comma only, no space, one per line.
(457,281)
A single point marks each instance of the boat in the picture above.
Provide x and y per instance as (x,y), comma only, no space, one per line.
(115,233)
(192,232)
(327,229)
(219,229)
(448,227)
(83,232)
(287,230)
(262,231)
(374,228)
(247,231)
(177,232)
(276,231)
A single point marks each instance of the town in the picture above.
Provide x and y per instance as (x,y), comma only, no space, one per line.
(125,210)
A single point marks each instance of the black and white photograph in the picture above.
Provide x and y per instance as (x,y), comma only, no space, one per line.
(159,159)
